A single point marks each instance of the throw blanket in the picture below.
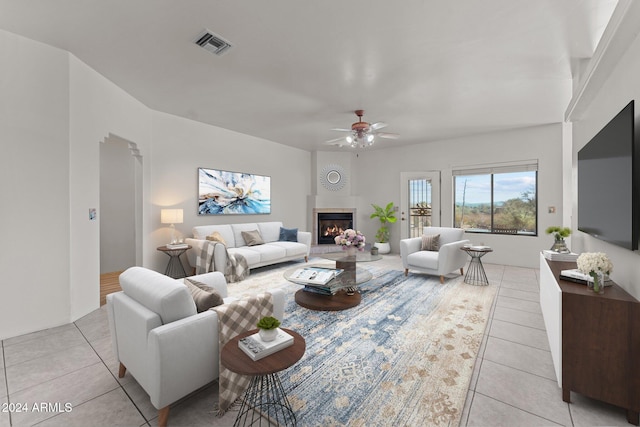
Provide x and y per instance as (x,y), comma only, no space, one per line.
(233,319)
(235,270)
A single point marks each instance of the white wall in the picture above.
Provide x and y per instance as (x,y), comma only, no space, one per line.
(377,180)
(54,113)
(622,86)
(181,146)
(98,109)
(34,186)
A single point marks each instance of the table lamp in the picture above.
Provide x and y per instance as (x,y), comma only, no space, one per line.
(171,216)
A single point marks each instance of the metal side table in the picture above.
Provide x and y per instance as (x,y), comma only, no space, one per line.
(175,268)
(264,402)
(475,272)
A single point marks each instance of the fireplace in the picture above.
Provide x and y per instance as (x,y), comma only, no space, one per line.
(331,224)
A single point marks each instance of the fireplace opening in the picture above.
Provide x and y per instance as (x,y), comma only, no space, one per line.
(332,224)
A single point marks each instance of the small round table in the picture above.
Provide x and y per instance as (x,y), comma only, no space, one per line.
(175,268)
(475,272)
(265,399)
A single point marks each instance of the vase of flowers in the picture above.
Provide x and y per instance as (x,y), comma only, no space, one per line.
(351,241)
(596,265)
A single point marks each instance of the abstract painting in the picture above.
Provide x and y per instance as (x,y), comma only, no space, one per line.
(227,193)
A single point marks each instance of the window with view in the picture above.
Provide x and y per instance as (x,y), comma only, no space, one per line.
(499,200)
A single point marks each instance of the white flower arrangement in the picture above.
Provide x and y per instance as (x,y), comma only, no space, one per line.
(592,262)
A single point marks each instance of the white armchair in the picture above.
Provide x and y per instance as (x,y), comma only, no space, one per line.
(447,259)
(157,335)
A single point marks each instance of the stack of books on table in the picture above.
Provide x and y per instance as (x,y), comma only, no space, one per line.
(557,256)
(315,275)
(576,276)
(256,349)
(177,246)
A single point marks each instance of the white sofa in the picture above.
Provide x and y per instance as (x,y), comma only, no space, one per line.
(447,259)
(272,251)
(160,339)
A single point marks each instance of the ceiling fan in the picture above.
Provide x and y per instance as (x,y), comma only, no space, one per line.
(362,134)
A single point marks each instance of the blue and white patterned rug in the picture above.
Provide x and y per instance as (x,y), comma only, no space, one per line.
(403,357)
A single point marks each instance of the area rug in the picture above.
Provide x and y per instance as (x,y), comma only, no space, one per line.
(403,357)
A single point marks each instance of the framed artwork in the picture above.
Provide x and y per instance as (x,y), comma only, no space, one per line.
(233,193)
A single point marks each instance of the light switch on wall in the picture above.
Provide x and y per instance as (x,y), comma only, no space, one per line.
(552,209)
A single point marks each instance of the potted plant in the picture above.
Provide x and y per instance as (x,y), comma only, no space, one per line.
(559,233)
(268,328)
(385,215)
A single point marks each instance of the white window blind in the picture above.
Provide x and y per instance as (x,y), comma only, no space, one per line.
(507,167)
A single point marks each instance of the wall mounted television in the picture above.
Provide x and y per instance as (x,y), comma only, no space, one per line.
(609,182)
(226,193)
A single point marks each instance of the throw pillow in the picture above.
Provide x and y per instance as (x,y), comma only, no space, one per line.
(288,234)
(431,242)
(252,238)
(204,296)
(216,237)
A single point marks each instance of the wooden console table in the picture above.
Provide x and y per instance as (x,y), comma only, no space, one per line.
(594,339)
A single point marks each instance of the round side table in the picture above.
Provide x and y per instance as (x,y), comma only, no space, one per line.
(175,268)
(265,401)
(475,272)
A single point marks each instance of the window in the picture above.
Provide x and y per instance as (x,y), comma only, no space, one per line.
(498,199)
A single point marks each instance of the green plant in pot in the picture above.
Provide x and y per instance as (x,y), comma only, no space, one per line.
(559,233)
(386,215)
(268,328)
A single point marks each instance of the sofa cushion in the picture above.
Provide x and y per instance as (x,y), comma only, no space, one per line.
(204,296)
(217,237)
(431,242)
(269,252)
(423,259)
(251,256)
(288,235)
(238,229)
(270,231)
(161,294)
(202,231)
(252,238)
(292,248)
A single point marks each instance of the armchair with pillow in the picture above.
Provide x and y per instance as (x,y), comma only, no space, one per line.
(164,334)
(436,252)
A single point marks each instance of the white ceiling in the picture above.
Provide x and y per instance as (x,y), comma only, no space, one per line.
(430,69)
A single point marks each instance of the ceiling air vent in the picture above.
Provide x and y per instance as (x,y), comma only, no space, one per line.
(213,43)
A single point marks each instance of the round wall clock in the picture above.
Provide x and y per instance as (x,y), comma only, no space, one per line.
(333,177)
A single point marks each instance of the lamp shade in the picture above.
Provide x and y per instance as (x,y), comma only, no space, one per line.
(171,216)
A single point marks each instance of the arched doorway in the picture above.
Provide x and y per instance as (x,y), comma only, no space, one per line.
(120,210)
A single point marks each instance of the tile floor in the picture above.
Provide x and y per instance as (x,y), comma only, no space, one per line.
(45,373)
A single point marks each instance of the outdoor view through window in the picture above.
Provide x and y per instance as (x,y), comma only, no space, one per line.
(501,203)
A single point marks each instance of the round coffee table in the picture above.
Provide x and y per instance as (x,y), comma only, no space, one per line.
(341,300)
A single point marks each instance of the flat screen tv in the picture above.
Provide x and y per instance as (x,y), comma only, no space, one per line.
(608,183)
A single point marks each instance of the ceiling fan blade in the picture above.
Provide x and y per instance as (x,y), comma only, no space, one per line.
(378,125)
(342,130)
(388,135)
(335,140)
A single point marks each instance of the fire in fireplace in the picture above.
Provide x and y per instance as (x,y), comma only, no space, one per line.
(332,224)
